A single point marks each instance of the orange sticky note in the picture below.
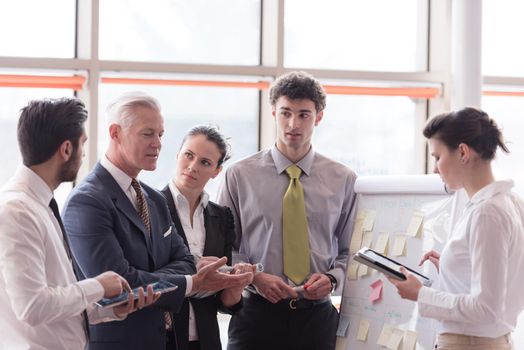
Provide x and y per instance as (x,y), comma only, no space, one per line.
(376,291)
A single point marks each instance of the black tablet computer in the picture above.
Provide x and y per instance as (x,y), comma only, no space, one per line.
(160,286)
(387,266)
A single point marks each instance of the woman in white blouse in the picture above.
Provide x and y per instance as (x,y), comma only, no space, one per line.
(481,268)
(208,231)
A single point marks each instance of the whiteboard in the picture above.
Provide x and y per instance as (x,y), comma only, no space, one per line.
(394,200)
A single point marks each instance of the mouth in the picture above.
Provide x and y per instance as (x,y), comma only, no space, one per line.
(154,156)
(189,176)
(293,134)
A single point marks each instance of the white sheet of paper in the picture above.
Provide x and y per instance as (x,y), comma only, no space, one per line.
(363,329)
(381,243)
(399,247)
(415,224)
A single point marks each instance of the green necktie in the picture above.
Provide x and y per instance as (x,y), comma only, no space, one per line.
(295,239)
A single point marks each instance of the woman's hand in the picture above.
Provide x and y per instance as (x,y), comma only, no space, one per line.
(409,288)
(433,257)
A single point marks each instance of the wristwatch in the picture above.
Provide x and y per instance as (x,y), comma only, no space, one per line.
(333,281)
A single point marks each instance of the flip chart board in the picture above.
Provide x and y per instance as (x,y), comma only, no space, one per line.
(401,217)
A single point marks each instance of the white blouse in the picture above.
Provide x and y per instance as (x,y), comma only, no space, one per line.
(481,267)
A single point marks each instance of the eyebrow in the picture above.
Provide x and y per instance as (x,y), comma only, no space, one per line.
(300,110)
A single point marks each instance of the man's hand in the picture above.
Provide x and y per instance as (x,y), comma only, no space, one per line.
(231,296)
(409,288)
(208,279)
(317,287)
(113,284)
(132,305)
(205,260)
(272,287)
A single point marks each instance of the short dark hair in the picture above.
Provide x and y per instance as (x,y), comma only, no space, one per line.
(470,126)
(45,124)
(213,134)
(297,86)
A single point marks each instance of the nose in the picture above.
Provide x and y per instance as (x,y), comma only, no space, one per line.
(156,142)
(294,122)
(435,170)
(192,165)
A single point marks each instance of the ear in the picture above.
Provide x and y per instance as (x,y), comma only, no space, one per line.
(319,117)
(65,150)
(114,132)
(464,153)
(217,171)
(273,111)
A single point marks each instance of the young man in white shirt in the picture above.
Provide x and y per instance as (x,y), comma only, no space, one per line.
(42,305)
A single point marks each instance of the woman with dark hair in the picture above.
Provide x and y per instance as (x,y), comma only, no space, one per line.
(208,231)
(481,267)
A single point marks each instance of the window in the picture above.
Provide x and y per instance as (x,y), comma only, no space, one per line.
(13,100)
(356,35)
(502,29)
(234,110)
(35,28)
(507,112)
(183,31)
(373,135)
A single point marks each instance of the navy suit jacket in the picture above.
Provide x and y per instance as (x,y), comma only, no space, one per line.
(106,233)
(220,236)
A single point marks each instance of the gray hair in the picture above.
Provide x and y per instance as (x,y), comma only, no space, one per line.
(120,111)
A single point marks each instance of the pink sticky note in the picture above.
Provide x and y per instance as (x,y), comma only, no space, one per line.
(376,291)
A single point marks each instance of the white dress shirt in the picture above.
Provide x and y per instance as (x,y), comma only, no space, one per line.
(195,235)
(41,302)
(481,267)
(124,182)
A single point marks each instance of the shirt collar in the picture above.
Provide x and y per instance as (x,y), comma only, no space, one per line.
(38,186)
(491,190)
(178,196)
(122,179)
(282,163)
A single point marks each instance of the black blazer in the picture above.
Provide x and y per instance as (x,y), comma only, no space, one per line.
(220,236)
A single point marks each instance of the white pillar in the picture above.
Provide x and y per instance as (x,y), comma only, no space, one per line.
(466,42)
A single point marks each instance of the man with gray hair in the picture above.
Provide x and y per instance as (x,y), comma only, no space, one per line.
(116,222)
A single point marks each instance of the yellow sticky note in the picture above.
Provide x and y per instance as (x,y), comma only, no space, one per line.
(366,240)
(362,270)
(369,220)
(395,338)
(381,243)
(415,224)
(383,338)
(352,270)
(409,341)
(363,329)
(399,247)
(356,238)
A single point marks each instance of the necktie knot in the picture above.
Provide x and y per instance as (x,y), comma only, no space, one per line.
(136,186)
(141,205)
(293,171)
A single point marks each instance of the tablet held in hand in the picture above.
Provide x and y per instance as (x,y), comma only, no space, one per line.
(387,266)
(160,286)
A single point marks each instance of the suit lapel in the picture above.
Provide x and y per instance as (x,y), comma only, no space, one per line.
(122,202)
(213,236)
(174,214)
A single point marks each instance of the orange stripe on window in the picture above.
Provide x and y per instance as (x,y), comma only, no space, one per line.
(209,83)
(42,81)
(503,93)
(416,92)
